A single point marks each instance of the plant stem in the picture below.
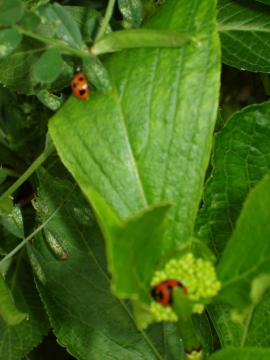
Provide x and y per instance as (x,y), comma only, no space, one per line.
(138,38)
(53,42)
(21,244)
(32,168)
(106,19)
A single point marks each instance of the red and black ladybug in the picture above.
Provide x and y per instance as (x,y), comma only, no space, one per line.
(162,293)
(79,85)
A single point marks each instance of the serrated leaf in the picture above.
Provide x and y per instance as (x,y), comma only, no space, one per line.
(241,354)
(245,34)
(86,318)
(65,27)
(248,239)
(9,40)
(240,159)
(147,141)
(10,12)
(48,67)
(131,11)
(31,331)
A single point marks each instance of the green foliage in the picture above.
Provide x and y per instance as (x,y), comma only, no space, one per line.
(244,31)
(136,191)
(241,354)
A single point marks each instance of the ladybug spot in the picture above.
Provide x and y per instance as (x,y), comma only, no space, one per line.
(74,85)
(81,78)
(82,92)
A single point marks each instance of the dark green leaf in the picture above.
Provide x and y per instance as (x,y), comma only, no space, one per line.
(17,341)
(264,1)
(245,34)
(65,27)
(87,18)
(9,40)
(241,158)
(15,69)
(147,141)
(241,354)
(48,67)
(247,254)
(10,12)
(86,318)
(30,21)
(131,11)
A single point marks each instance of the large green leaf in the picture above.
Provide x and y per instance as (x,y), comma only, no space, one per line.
(240,159)
(244,28)
(148,140)
(241,354)
(247,254)
(86,317)
(17,341)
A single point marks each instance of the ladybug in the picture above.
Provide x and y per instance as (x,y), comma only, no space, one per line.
(79,85)
(162,292)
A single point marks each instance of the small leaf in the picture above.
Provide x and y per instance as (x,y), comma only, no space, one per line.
(247,254)
(10,12)
(259,287)
(13,222)
(8,310)
(31,331)
(48,67)
(51,101)
(144,235)
(9,40)
(66,28)
(132,11)
(30,21)
(97,74)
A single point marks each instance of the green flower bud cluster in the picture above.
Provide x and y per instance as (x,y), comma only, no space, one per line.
(196,274)
(195,355)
